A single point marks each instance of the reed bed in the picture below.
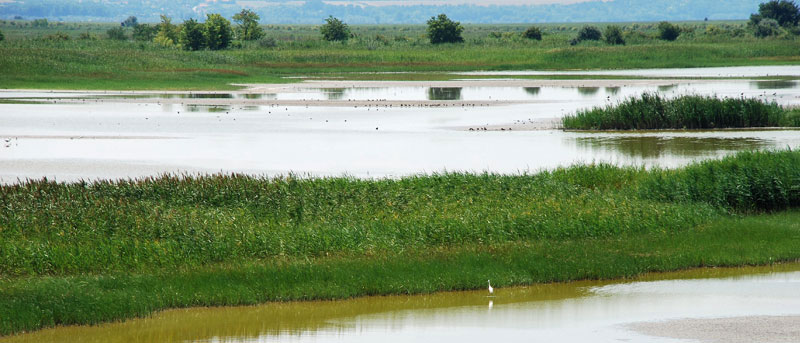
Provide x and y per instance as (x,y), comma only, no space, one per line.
(83,253)
(652,111)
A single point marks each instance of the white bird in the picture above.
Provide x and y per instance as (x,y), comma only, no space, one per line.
(491,290)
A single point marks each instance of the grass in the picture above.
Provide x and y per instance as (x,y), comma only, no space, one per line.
(30,60)
(654,111)
(84,253)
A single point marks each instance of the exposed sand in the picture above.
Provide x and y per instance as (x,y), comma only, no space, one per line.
(772,329)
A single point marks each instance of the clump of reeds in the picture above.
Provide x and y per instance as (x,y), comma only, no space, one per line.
(653,111)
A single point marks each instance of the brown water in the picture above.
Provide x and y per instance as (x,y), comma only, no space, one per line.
(569,312)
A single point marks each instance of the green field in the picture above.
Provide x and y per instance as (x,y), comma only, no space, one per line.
(84,253)
(30,59)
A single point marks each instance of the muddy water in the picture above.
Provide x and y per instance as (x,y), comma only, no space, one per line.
(102,135)
(572,312)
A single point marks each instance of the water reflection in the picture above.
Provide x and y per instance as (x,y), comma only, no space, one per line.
(649,147)
(206,108)
(667,88)
(774,84)
(534,91)
(612,90)
(588,91)
(334,93)
(444,93)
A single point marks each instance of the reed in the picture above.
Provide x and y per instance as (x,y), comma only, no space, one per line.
(654,111)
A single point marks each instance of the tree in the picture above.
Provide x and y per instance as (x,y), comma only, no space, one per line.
(2,37)
(589,33)
(767,27)
(613,35)
(247,28)
(533,32)
(167,32)
(130,22)
(334,30)
(668,31)
(785,12)
(144,32)
(116,33)
(443,30)
(192,36)
(218,32)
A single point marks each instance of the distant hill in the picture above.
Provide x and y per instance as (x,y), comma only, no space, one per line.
(386,11)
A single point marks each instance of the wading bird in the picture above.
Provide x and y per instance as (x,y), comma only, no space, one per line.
(491,290)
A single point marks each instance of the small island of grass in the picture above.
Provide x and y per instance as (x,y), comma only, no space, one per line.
(656,112)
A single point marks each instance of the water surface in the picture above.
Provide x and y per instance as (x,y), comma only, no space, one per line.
(572,312)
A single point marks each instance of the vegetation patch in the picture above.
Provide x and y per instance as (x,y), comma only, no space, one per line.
(83,253)
(653,111)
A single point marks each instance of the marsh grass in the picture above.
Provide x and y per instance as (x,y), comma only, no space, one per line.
(655,111)
(83,253)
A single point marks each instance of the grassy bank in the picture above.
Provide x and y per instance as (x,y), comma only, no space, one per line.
(30,60)
(91,252)
(33,303)
(653,111)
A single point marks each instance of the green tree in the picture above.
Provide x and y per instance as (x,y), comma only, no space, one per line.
(589,33)
(218,32)
(247,25)
(167,31)
(130,22)
(116,33)
(334,30)
(668,31)
(40,23)
(443,30)
(144,32)
(613,35)
(785,12)
(533,32)
(2,37)
(192,35)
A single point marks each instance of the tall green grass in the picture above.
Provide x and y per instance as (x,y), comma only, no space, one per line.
(28,304)
(654,111)
(78,253)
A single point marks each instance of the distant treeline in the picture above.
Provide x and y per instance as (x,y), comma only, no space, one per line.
(311,11)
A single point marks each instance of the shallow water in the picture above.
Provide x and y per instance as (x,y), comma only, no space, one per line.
(135,135)
(753,71)
(572,312)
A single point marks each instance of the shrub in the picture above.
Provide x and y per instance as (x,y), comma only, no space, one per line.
(58,36)
(191,36)
(589,33)
(766,28)
(218,32)
(334,30)
(87,36)
(267,42)
(143,32)
(533,32)
(116,33)
(40,23)
(2,37)
(668,31)
(443,30)
(613,35)
(247,25)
